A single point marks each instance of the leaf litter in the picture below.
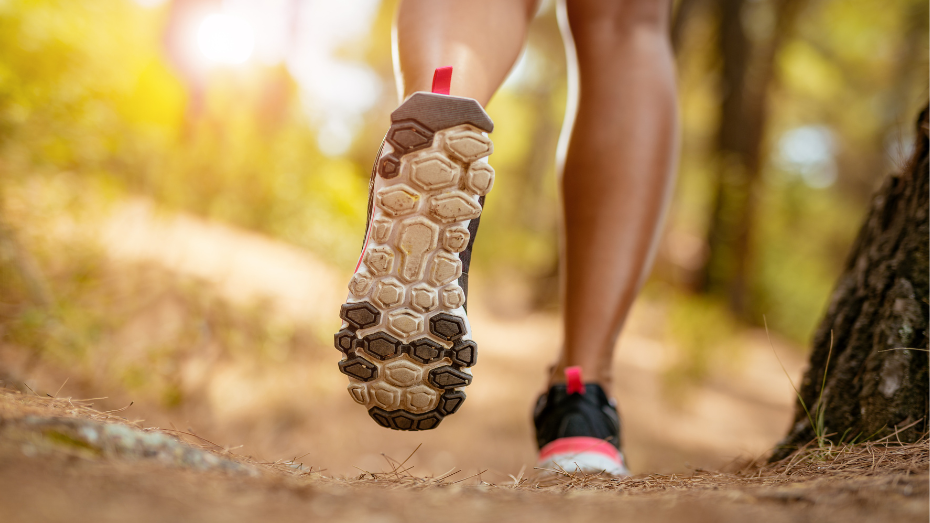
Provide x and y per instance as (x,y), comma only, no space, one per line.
(889,476)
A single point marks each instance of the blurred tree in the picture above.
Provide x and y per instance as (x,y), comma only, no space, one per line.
(93,98)
(747,70)
(684,11)
(868,373)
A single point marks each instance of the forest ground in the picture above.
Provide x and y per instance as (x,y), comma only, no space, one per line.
(289,443)
(61,460)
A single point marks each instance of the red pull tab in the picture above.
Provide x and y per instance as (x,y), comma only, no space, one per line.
(573,380)
(442,80)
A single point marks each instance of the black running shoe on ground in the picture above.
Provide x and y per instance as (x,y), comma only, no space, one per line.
(578,429)
(405,337)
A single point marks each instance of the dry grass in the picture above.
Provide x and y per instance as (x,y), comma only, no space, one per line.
(849,483)
(871,459)
(843,462)
(16,404)
(889,457)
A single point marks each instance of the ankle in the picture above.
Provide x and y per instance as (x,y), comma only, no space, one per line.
(587,375)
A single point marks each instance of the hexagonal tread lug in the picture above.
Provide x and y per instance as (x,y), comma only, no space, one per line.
(403,373)
(423,298)
(388,167)
(386,395)
(433,171)
(453,207)
(360,284)
(403,420)
(428,421)
(360,315)
(425,350)
(388,293)
(465,353)
(405,323)
(409,136)
(450,402)
(381,345)
(447,326)
(468,146)
(381,416)
(453,297)
(358,392)
(381,229)
(379,260)
(479,179)
(359,368)
(397,200)
(455,239)
(343,340)
(448,378)
(446,268)
(419,399)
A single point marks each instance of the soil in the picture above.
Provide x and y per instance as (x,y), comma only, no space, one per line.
(273,405)
(55,465)
(274,436)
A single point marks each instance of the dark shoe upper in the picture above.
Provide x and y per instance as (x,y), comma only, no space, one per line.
(563,414)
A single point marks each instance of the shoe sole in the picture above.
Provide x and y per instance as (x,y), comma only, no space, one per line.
(405,335)
(582,454)
(584,463)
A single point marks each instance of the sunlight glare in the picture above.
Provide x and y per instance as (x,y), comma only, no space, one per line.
(808,152)
(225,39)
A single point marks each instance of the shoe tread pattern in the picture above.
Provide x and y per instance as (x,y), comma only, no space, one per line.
(405,339)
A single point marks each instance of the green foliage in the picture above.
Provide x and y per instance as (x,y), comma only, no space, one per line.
(705,337)
(84,88)
(92,112)
(856,69)
(804,238)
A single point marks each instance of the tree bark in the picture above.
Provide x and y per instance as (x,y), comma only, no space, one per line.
(877,377)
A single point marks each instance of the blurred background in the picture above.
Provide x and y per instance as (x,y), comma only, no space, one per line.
(182,199)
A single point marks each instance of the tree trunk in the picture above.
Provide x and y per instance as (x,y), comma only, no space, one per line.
(877,377)
(731,180)
(683,12)
(747,73)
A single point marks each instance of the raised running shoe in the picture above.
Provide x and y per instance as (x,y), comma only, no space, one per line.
(578,429)
(405,337)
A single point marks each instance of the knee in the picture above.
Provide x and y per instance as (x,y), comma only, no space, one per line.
(609,21)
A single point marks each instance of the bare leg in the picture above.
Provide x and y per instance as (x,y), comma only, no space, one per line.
(620,159)
(480,39)
(618,170)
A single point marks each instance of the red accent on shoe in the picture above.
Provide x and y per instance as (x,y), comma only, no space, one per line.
(578,445)
(573,380)
(364,247)
(442,80)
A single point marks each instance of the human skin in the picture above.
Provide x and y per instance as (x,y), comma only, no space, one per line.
(618,150)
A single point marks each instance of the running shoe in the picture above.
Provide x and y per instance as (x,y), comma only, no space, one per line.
(578,429)
(405,337)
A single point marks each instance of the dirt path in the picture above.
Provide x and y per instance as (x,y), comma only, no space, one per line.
(97,466)
(299,404)
(61,460)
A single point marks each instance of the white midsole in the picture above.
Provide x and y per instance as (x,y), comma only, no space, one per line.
(586,462)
